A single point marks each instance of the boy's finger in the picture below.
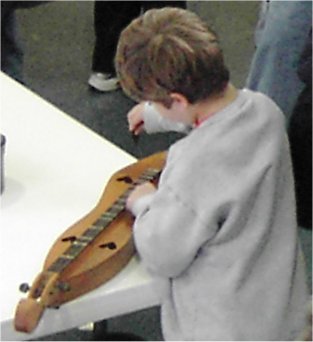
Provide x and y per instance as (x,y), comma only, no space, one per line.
(136,129)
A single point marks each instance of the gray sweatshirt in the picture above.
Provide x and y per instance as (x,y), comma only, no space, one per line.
(221,229)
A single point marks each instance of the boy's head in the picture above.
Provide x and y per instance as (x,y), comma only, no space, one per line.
(170,50)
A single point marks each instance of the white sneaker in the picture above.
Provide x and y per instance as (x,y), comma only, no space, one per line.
(87,327)
(103,81)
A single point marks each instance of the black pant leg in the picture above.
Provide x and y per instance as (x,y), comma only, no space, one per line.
(159,4)
(300,136)
(110,18)
(11,50)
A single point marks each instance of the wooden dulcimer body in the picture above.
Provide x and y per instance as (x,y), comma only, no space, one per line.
(91,251)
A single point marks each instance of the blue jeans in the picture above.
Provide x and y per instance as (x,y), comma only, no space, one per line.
(281,34)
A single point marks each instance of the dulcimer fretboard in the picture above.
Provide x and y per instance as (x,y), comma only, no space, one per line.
(91,233)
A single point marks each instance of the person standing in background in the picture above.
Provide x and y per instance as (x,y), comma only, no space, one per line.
(12,53)
(280,37)
(110,17)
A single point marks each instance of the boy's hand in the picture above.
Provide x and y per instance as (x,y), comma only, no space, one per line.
(140,191)
(135,118)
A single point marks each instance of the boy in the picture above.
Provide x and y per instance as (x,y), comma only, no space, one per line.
(220,229)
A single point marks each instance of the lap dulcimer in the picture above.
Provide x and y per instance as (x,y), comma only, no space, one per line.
(92,250)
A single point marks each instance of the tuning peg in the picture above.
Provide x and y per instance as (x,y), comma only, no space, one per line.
(24,287)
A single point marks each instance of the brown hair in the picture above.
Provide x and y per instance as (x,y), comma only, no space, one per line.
(170,50)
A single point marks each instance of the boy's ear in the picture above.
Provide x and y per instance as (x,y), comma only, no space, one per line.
(179,99)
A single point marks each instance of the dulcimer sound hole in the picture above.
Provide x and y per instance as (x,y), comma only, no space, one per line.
(125,179)
(109,245)
(69,238)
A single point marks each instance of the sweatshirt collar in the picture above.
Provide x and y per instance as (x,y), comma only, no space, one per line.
(239,100)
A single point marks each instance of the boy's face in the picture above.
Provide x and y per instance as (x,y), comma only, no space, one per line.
(179,111)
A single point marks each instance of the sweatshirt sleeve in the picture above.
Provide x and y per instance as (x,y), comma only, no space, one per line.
(154,122)
(168,234)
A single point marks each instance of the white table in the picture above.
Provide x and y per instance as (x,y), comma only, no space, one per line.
(55,172)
